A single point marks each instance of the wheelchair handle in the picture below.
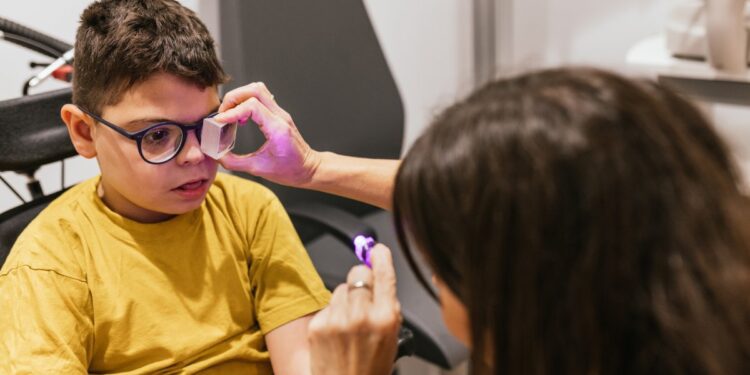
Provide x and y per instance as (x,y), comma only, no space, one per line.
(32,39)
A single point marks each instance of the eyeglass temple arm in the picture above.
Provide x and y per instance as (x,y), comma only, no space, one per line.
(108,124)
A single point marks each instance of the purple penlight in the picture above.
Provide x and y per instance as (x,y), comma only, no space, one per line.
(362,247)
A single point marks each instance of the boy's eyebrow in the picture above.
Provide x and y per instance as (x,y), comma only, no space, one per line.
(153,120)
(143,121)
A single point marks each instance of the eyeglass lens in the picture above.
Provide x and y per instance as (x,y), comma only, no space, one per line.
(161,143)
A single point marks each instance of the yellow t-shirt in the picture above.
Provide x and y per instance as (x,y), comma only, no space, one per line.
(87,290)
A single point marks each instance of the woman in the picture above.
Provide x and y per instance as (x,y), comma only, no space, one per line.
(576,223)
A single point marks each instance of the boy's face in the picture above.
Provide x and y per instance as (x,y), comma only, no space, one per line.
(148,192)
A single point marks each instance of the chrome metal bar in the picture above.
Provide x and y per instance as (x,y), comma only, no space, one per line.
(484,41)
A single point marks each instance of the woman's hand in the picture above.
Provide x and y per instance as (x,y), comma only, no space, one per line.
(285,157)
(358,332)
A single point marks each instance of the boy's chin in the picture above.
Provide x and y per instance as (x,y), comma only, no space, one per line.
(182,208)
(170,209)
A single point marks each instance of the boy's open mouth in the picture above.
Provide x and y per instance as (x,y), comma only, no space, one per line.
(192,185)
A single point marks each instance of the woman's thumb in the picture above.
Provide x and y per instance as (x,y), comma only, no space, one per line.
(239,163)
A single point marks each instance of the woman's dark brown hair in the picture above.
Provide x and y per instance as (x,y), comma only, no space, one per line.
(591,224)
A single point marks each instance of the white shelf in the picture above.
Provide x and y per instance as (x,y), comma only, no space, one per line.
(651,55)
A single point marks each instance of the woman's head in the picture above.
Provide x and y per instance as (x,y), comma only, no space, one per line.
(589,224)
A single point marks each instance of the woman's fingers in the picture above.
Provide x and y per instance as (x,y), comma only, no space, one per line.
(338,314)
(386,308)
(285,158)
(246,163)
(256,90)
(253,108)
(359,287)
(384,288)
(360,279)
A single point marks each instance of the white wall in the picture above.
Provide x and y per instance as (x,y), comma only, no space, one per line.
(552,32)
(601,32)
(428,45)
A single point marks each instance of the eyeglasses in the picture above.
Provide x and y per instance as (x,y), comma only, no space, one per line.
(161,142)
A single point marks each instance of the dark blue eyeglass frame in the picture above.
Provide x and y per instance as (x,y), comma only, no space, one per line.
(138,136)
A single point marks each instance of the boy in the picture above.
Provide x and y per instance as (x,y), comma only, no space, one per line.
(159,264)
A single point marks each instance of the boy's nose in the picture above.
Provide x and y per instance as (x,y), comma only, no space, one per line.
(191,153)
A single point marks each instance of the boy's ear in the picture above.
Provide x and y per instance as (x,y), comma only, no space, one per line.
(80,128)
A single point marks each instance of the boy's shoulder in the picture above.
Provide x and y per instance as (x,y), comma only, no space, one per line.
(249,206)
(69,205)
(50,238)
(65,209)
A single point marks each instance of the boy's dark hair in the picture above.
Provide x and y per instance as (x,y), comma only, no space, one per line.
(591,225)
(121,43)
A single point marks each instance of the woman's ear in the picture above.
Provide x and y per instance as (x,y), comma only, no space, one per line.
(80,128)
(455,313)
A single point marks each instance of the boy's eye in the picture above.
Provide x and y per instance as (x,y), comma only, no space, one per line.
(160,136)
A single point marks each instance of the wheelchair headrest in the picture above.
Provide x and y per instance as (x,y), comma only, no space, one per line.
(31,131)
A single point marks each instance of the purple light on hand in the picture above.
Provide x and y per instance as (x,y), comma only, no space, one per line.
(362,247)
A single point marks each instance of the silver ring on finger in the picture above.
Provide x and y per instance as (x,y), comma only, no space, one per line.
(359,284)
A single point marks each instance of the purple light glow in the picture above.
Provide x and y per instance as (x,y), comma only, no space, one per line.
(362,247)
